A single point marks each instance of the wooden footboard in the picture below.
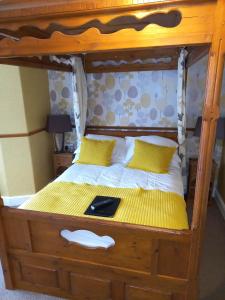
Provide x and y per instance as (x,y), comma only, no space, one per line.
(145,263)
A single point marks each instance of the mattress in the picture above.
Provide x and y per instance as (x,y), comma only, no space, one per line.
(117,175)
(147,198)
(138,206)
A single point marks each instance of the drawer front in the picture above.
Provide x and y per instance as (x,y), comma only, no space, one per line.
(82,282)
(135,248)
(131,250)
(63,160)
(30,275)
(41,276)
(194,168)
(85,287)
(136,293)
(47,277)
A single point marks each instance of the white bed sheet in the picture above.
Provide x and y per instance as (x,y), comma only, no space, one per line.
(120,176)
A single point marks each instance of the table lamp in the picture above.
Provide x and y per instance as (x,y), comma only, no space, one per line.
(59,124)
(220,131)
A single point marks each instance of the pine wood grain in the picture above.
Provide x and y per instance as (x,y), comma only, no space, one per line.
(139,266)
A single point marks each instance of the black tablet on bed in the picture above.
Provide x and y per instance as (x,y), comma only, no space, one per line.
(103,206)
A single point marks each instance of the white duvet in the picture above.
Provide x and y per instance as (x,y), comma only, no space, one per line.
(118,175)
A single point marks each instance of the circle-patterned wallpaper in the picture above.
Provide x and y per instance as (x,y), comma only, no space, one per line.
(135,99)
(132,99)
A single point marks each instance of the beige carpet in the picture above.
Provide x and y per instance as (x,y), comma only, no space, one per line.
(212,275)
(212,272)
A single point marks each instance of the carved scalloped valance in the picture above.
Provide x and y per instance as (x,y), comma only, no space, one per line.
(134,26)
(164,19)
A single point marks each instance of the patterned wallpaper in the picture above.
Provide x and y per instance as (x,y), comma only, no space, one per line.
(60,89)
(144,98)
(132,99)
(135,99)
(60,85)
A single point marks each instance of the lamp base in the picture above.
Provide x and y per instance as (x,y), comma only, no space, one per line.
(57,150)
(63,142)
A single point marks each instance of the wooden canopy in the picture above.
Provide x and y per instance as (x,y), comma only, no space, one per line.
(125,32)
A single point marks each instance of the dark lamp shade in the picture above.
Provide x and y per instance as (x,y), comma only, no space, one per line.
(220,132)
(59,123)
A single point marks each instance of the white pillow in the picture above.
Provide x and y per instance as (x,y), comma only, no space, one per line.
(119,151)
(153,139)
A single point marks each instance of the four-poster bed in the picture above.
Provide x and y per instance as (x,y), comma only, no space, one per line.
(147,262)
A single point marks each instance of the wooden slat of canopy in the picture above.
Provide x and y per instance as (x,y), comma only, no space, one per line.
(130,57)
(125,61)
(19,9)
(35,62)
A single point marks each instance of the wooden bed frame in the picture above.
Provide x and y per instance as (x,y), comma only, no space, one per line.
(123,131)
(139,266)
(145,263)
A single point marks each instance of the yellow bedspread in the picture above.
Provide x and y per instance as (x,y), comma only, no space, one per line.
(137,206)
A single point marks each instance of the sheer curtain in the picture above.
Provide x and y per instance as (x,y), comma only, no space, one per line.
(79,93)
(181,112)
(80,97)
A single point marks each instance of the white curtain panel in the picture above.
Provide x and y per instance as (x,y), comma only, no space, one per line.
(80,94)
(53,58)
(80,97)
(181,112)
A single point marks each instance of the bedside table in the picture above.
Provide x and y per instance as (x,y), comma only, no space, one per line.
(193,164)
(61,162)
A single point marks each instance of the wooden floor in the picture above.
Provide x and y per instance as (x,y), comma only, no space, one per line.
(212,276)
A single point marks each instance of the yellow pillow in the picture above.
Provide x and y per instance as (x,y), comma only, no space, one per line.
(95,152)
(152,158)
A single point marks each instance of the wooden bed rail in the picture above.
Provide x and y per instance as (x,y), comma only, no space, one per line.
(123,131)
(3,252)
(138,266)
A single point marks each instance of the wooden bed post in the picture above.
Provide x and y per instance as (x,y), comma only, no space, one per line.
(211,114)
(3,253)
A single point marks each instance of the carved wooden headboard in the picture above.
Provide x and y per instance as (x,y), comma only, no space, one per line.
(167,132)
